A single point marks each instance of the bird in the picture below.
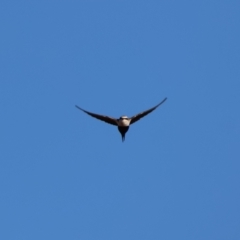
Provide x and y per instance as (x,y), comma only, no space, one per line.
(123,122)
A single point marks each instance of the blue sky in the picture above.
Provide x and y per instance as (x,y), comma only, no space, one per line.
(65,175)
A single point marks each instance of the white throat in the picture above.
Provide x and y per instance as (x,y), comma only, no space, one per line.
(123,122)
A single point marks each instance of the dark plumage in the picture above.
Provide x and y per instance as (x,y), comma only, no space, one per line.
(123,122)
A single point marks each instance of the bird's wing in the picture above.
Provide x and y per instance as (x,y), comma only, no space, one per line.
(106,119)
(143,114)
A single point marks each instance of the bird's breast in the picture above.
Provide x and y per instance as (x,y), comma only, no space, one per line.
(123,122)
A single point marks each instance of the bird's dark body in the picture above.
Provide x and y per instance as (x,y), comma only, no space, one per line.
(123,131)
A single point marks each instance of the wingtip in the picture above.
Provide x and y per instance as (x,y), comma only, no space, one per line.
(162,101)
(79,108)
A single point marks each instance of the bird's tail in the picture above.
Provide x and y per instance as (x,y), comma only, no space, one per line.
(123,137)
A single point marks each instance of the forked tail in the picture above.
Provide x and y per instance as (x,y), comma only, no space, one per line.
(123,131)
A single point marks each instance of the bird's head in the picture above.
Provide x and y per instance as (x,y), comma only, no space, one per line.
(124,117)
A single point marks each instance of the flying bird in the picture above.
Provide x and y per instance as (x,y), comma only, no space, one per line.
(123,122)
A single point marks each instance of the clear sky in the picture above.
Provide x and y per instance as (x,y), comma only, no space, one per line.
(65,175)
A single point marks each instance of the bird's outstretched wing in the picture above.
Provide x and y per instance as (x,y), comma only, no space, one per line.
(106,119)
(143,114)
